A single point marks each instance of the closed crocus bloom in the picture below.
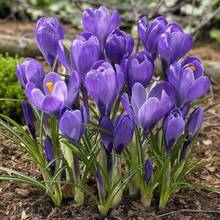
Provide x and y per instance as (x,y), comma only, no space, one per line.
(103,84)
(56,93)
(195,121)
(30,71)
(148,170)
(149,34)
(99,22)
(173,127)
(28,116)
(107,136)
(85,51)
(123,132)
(71,124)
(139,68)
(118,45)
(48,32)
(188,85)
(173,44)
(147,110)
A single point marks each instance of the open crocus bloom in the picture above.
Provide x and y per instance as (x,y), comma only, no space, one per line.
(56,93)
(146,109)
(188,80)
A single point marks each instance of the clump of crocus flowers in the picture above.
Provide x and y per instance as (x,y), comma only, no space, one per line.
(103,116)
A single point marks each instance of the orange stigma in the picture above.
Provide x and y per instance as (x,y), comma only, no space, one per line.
(50,86)
(192,67)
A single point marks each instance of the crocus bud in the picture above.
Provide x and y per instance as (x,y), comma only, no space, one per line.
(107,136)
(173,127)
(99,179)
(103,84)
(118,45)
(30,71)
(185,146)
(85,51)
(48,147)
(195,121)
(99,22)
(71,124)
(149,34)
(148,170)
(123,132)
(28,116)
(139,68)
(48,32)
(173,45)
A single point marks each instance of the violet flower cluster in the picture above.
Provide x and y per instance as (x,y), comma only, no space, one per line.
(102,69)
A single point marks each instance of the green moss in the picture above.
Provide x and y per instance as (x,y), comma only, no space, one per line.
(10,88)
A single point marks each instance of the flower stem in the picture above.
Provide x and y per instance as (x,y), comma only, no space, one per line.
(116,175)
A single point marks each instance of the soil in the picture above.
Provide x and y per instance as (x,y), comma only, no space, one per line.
(19,201)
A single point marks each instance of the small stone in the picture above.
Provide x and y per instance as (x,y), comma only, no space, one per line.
(22,192)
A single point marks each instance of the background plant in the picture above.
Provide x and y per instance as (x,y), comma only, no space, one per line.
(9,87)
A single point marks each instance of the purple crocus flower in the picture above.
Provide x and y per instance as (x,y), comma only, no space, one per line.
(107,138)
(188,85)
(30,71)
(118,45)
(99,22)
(149,34)
(193,63)
(85,51)
(193,125)
(148,170)
(103,84)
(48,147)
(147,110)
(173,44)
(173,128)
(195,121)
(138,68)
(28,116)
(56,93)
(123,132)
(48,32)
(72,124)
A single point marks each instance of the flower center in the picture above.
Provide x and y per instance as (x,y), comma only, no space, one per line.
(192,67)
(50,86)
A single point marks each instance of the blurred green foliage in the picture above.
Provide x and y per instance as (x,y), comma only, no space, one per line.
(197,16)
(10,87)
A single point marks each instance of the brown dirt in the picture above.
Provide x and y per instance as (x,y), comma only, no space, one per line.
(19,201)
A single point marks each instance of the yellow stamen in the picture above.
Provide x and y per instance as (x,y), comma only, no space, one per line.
(192,67)
(50,86)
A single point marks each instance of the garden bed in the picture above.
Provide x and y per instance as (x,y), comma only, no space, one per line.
(19,201)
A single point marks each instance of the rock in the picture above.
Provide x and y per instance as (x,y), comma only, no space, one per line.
(22,192)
